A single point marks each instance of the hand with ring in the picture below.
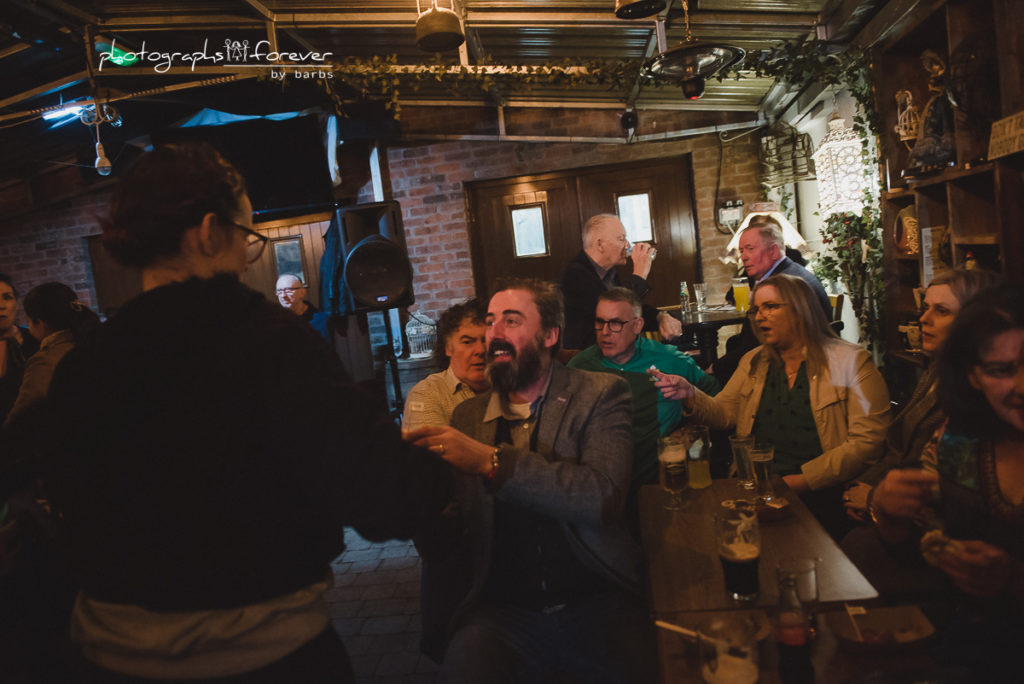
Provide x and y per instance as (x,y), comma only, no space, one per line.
(463,452)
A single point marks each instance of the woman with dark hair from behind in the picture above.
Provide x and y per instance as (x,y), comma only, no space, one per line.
(971,492)
(210,451)
(16,345)
(59,320)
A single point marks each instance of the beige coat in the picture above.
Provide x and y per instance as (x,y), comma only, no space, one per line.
(849,400)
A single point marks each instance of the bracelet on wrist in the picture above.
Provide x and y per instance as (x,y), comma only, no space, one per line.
(495,463)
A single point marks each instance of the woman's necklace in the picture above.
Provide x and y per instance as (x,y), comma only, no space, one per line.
(990,490)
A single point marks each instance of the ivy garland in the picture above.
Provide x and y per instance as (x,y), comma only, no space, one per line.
(853,252)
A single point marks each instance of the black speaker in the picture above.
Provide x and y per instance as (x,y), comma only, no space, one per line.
(365,266)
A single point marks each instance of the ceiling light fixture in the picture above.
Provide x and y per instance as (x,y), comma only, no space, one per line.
(638,9)
(438,29)
(94,116)
(692,61)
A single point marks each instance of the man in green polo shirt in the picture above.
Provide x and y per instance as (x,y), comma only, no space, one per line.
(621,350)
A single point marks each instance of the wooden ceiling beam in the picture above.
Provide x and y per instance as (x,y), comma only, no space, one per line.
(473,19)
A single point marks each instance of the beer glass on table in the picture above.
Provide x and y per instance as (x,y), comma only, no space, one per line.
(741,460)
(761,456)
(698,450)
(672,470)
(739,549)
(741,294)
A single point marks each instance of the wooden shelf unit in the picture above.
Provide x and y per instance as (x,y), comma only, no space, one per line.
(977,205)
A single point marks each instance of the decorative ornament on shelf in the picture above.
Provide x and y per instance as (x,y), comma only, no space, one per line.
(934,148)
(840,170)
(906,233)
(908,119)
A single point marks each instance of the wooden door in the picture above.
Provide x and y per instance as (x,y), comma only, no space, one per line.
(668,186)
(495,205)
(565,200)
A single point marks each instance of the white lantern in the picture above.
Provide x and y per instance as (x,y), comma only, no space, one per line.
(840,170)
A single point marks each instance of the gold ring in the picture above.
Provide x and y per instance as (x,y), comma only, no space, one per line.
(441,447)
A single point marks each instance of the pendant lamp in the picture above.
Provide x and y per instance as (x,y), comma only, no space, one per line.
(692,61)
(840,171)
(438,29)
(638,9)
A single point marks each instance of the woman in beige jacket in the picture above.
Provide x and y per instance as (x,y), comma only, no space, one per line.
(821,401)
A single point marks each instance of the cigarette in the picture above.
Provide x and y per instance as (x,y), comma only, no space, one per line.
(677,629)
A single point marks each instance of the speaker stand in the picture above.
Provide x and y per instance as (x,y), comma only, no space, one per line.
(392,362)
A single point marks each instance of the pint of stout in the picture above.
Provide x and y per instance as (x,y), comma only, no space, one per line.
(739,549)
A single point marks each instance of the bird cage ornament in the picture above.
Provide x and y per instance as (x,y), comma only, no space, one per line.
(908,119)
(840,170)
(785,155)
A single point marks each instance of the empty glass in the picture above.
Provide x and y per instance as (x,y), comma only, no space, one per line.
(761,456)
(803,572)
(741,460)
(728,650)
(700,295)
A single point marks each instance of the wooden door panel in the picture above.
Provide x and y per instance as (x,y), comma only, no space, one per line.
(492,238)
(262,275)
(669,184)
(570,197)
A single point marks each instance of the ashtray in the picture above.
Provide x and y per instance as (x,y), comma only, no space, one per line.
(775,508)
(879,629)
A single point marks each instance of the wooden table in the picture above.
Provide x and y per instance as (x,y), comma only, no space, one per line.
(704,325)
(687,587)
(682,557)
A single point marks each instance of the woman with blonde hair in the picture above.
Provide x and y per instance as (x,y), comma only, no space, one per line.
(819,400)
(920,416)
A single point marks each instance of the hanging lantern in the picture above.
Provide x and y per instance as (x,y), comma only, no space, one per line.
(840,170)
(438,29)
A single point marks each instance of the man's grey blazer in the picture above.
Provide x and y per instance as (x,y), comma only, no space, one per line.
(579,474)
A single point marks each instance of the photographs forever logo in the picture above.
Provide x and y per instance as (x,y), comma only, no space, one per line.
(235,54)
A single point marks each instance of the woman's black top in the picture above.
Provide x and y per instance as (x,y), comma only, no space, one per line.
(209,448)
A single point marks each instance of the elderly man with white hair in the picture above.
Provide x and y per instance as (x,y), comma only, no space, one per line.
(592,272)
(291,293)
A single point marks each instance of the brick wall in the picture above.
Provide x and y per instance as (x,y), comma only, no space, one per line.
(50,245)
(429,181)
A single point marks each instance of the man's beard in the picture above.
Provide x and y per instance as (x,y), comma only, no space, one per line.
(521,371)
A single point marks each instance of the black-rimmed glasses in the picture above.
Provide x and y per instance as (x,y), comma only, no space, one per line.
(615,325)
(255,242)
